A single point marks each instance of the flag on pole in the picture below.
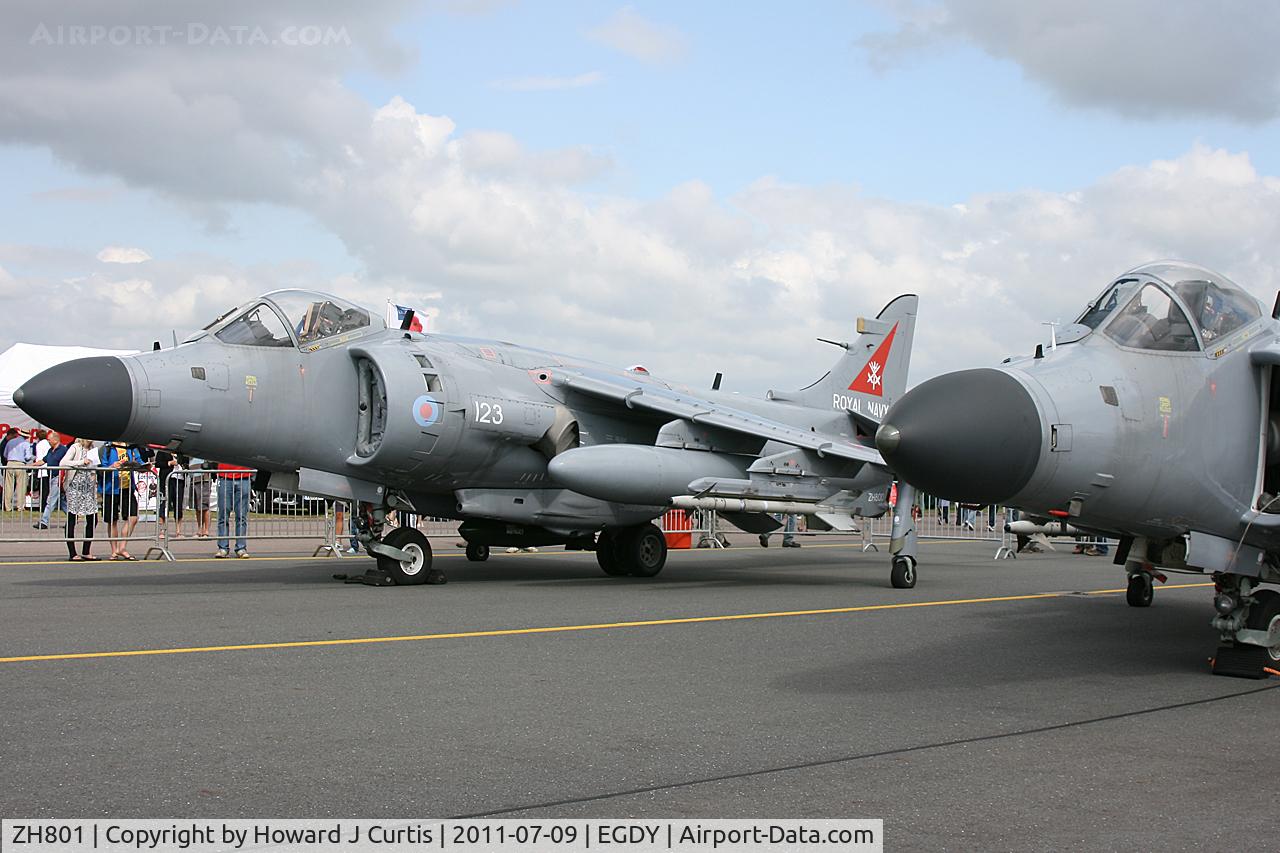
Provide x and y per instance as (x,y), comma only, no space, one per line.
(396,315)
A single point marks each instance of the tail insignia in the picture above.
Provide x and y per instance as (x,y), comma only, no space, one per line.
(870,380)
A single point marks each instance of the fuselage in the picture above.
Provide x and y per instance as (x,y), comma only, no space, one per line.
(351,408)
(1138,422)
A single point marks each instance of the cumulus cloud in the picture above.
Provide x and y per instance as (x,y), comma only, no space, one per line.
(123,255)
(549,84)
(1141,58)
(627,31)
(128,307)
(501,240)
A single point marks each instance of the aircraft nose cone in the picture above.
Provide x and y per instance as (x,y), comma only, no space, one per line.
(85,397)
(973,436)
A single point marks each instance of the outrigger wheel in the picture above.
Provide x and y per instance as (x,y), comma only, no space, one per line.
(903,574)
(477,553)
(415,570)
(636,551)
(606,554)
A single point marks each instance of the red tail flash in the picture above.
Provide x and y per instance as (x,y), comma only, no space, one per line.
(870,379)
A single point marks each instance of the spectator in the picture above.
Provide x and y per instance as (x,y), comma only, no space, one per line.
(119,503)
(82,497)
(18,454)
(233,497)
(789,532)
(198,486)
(41,447)
(51,460)
(944,510)
(171,487)
(339,508)
(5,437)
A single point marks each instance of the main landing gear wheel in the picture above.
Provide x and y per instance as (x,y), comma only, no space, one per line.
(903,575)
(636,551)
(607,554)
(417,569)
(1140,591)
(477,553)
(643,551)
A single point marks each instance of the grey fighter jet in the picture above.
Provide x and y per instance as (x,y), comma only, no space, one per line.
(525,447)
(1154,418)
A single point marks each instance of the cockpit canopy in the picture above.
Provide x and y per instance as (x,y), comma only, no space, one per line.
(285,318)
(1170,306)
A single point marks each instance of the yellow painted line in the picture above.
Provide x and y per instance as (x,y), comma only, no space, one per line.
(1157,588)
(556,629)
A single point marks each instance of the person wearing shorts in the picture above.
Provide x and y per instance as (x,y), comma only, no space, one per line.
(119,504)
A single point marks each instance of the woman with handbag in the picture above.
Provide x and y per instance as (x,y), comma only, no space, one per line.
(81,488)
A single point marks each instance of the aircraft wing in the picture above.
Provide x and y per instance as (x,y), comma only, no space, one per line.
(650,397)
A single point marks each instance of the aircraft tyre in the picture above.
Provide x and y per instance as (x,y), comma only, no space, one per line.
(1140,592)
(1264,613)
(903,575)
(477,553)
(607,554)
(642,551)
(410,572)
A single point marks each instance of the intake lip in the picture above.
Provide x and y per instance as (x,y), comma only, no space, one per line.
(973,436)
(84,397)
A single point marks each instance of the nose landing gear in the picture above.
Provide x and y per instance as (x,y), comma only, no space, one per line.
(403,555)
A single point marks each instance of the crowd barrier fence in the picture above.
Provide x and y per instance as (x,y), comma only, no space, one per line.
(169,513)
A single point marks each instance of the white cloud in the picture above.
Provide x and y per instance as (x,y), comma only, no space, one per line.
(630,33)
(549,84)
(123,255)
(501,240)
(1139,58)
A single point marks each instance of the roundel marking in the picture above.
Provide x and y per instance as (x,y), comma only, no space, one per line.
(426,410)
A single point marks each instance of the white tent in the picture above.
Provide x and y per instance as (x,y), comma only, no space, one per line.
(22,361)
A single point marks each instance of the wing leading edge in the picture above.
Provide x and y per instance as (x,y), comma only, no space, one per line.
(643,396)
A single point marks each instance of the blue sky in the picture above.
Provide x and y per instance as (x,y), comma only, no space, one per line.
(784,90)
(817,156)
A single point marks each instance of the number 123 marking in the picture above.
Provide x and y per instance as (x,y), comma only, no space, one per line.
(488,413)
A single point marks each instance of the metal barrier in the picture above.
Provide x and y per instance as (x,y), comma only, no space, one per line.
(182,511)
(35,503)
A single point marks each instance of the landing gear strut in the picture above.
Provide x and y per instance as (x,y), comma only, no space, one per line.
(903,542)
(1248,622)
(403,555)
(413,565)
(636,551)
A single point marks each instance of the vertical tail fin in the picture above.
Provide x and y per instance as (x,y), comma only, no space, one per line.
(872,373)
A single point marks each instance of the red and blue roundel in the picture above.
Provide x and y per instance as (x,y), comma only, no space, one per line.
(426,410)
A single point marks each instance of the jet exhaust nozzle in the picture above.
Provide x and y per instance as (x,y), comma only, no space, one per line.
(84,397)
(973,436)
